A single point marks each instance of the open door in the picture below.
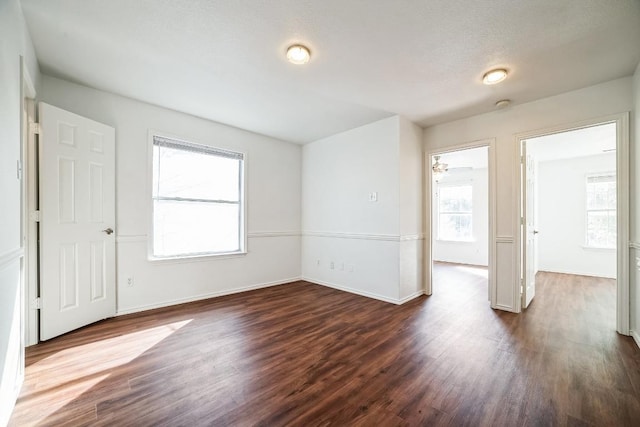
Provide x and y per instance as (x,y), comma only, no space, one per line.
(77,208)
(528,228)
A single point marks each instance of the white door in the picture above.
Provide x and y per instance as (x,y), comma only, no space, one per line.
(77,206)
(529,231)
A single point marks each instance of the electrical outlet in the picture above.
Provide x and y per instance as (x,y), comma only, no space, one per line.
(317,263)
(332,265)
(130,282)
(373,196)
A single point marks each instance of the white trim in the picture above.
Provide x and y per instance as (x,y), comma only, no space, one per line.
(29,153)
(136,238)
(505,239)
(412,237)
(573,273)
(492,207)
(244,191)
(356,291)
(622,209)
(261,234)
(410,297)
(358,236)
(504,308)
(8,258)
(7,406)
(636,337)
(205,296)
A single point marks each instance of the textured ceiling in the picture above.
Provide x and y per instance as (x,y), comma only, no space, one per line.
(575,143)
(424,59)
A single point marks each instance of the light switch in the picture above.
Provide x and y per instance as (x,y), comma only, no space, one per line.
(373,196)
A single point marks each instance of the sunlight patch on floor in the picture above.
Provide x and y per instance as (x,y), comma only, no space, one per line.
(71,372)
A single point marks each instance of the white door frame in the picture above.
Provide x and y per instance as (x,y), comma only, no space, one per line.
(29,197)
(622,188)
(428,245)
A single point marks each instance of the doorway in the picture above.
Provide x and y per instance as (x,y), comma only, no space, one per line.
(574,208)
(460,222)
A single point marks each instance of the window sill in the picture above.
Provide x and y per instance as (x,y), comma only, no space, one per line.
(196,258)
(598,248)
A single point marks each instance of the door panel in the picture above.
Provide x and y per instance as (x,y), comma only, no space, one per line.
(77,202)
(529,231)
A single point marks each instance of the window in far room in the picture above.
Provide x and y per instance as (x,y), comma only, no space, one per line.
(455,207)
(198,206)
(601,211)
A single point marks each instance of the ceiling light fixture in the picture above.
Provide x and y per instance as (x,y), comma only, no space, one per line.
(298,54)
(503,103)
(494,76)
(439,169)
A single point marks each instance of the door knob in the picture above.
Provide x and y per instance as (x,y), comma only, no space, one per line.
(535,231)
(108,231)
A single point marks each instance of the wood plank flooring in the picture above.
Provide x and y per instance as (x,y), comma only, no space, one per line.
(306,355)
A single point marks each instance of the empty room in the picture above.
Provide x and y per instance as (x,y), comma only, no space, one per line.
(259,213)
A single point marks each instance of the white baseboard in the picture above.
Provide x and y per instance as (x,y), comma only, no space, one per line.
(504,308)
(411,297)
(7,405)
(355,291)
(636,337)
(574,273)
(205,296)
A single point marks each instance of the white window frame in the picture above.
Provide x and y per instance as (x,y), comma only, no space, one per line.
(588,245)
(242,238)
(439,213)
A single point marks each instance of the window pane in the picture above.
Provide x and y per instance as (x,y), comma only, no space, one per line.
(456,198)
(601,192)
(455,227)
(601,229)
(192,175)
(183,228)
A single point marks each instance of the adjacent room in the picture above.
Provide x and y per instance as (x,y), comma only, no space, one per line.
(319,213)
(460,224)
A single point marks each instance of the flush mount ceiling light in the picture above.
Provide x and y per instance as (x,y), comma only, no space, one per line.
(494,76)
(298,54)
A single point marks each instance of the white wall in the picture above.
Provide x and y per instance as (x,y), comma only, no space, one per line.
(635,210)
(562,217)
(273,201)
(373,246)
(503,125)
(14,43)
(475,252)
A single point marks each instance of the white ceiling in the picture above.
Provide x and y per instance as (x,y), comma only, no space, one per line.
(575,143)
(224,60)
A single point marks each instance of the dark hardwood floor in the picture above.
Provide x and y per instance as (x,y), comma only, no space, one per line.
(306,355)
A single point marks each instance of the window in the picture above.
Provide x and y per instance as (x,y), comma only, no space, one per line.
(197,200)
(455,206)
(601,211)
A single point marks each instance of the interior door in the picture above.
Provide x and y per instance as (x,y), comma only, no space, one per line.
(529,229)
(77,207)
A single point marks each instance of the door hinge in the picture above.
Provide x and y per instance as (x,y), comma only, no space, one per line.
(35,128)
(521,220)
(19,169)
(36,304)
(521,286)
(35,216)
